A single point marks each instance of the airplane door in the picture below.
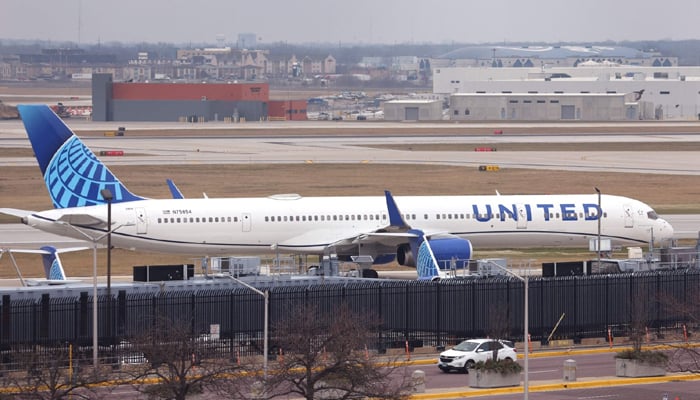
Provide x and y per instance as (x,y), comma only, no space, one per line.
(629,216)
(522,217)
(246,220)
(141,221)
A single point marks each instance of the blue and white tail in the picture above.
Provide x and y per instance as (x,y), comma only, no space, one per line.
(73,175)
(52,264)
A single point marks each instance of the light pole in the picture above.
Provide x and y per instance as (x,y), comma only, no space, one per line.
(266,296)
(526,328)
(94,287)
(600,216)
(107,196)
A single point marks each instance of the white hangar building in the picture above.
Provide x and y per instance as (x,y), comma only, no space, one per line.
(668,93)
(413,110)
(546,107)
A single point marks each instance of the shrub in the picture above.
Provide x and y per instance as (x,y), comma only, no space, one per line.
(644,356)
(505,367)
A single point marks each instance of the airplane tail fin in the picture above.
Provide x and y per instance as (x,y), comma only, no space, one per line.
(52,264)
(426,267)
(73,175)
(440,256)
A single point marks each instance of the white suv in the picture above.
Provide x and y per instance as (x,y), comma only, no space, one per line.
(469,352)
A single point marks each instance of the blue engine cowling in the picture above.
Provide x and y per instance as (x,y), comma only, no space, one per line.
(450,252)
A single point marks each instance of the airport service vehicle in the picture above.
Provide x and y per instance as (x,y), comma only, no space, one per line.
(469,352)
(431,233)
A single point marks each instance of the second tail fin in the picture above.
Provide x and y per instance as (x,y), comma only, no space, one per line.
(52,264)
(73,175)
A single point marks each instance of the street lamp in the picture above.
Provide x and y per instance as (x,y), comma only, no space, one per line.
(526,327)
(600,216)
(266,296)
(107,195)
(94,286)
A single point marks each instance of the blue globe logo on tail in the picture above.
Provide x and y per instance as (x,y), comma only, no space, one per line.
(73,175)
(427,270)
(55,272)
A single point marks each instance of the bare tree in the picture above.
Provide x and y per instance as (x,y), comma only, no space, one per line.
(639,317)
(684,358)
(325,355)
(49,373)
(179,363)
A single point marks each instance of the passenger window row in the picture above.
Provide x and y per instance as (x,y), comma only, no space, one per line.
(195,220)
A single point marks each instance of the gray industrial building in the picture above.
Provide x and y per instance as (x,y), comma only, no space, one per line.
(546,107)
(413,110)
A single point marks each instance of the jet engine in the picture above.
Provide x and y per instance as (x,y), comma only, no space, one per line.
(445,248)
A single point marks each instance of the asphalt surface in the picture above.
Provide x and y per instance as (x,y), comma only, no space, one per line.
(598,382)
(319,146)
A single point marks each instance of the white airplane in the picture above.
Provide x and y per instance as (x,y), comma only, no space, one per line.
(445,227)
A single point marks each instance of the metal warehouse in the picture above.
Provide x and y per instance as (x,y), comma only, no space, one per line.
(413,110)
(545,107)
(127,101)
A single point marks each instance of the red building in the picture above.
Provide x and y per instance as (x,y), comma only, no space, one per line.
(191,91)
(288,110)
(131,101)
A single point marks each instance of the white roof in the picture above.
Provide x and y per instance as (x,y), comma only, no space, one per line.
(413,101)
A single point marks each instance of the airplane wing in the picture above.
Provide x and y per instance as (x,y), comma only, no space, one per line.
(390,236)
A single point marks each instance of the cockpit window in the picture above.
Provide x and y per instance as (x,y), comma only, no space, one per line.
(652,215)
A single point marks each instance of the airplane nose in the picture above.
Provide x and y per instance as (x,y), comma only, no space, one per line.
(665,231)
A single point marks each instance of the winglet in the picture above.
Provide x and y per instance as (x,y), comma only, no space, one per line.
(73,175)
(395,218)
(177,194)
(52,264)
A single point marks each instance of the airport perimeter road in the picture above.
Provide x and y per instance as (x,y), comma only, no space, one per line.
(595,375)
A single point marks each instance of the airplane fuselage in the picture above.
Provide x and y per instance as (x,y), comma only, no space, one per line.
(310,225)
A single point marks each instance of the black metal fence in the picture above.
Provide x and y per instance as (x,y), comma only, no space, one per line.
(422,313)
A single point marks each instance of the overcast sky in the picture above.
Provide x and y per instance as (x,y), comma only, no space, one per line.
(349,21)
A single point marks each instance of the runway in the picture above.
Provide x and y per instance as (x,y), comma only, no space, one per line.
(320,146)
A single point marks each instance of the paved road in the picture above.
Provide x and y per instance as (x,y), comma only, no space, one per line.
(595,378)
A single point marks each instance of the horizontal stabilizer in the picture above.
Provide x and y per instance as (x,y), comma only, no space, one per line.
(44,251)
(83,220)
(16,212)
